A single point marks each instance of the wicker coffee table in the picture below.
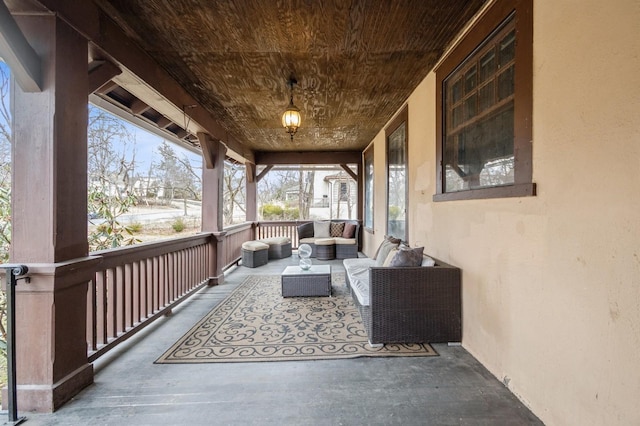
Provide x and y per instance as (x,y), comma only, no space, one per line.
(313,282)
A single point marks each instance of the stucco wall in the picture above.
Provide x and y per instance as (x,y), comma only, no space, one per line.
(551,284)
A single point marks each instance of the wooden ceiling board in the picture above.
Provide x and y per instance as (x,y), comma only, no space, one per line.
(356,62)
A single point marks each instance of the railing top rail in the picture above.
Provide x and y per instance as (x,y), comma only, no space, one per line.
(114,257)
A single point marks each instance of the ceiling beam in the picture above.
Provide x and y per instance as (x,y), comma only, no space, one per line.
(142,76)
(308,157)
(101,72)
(349,171)
(208,150)
(138,107)
(18,53)
(263,173)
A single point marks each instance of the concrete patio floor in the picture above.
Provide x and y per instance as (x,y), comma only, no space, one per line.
(451,389)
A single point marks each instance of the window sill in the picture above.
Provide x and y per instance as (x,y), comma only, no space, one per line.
(522,190)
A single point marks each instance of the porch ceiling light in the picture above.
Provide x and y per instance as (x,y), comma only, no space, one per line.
(291,118)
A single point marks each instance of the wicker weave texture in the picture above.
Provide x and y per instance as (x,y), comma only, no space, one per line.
(346,251)
(413,305)
(279,251)
(253,259)
(306,285)
(326,252)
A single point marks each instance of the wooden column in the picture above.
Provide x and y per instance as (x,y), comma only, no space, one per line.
(49,202)
(214,153)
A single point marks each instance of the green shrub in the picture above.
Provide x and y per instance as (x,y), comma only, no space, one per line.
(135,227)
(178,225)
(292,214)
(272,211)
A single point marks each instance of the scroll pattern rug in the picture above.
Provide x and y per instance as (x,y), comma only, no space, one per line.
(255,323)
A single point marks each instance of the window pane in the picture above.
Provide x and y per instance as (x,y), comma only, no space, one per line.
(457,116)
(487,65)
(473,155)
(368,189)
(506,83)
(470,80)
(507,48)
(456,91)
(397,189)
(470,106)
(485,97)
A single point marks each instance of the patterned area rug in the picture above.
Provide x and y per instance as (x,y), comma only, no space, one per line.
(255,323)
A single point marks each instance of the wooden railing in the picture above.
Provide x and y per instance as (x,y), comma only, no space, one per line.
(267,229)
(137,284)
(234,236)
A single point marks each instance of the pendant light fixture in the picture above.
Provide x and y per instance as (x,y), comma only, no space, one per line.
(291,118)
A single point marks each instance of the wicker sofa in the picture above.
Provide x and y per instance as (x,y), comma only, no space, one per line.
(407,304)
(344,248)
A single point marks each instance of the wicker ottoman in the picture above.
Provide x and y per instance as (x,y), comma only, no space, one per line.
(315,281)
(325,248)
(254,254)
(279,247)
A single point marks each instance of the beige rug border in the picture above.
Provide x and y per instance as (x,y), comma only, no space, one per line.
(387,351)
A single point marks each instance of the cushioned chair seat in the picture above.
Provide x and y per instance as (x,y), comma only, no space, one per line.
(254,254)
(279,247)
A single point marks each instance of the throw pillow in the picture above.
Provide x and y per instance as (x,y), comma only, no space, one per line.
(386,238)
(349,230)
(305,230)
(385,248)
(321,229)
(407,257)
(336,229)
(390,256)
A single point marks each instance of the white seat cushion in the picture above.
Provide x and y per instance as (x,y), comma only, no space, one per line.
(276,240)
(325,241)
(310,240)
(254,246)
(345,241)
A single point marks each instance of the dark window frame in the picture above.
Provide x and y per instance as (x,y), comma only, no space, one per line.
(399,120)
(368,213)
(523,102)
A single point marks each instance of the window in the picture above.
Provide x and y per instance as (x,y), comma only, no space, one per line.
(368,188)
(396,134)
(484,122)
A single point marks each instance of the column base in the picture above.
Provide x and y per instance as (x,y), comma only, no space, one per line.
(48,398)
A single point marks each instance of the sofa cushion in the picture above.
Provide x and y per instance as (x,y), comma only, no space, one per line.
(359,280)
(390,256)
(276,240)
(336,229)
(345,241)
(305,230)
(383,251)
(254,246)
(386,238)
(427,261)
(349,230)
(325,241)
(407,257)
(309,240)
(321,229)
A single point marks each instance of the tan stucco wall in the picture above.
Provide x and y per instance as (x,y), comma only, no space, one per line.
(551,284)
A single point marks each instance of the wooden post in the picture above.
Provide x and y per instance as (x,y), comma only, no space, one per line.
(214,153)
(49,202)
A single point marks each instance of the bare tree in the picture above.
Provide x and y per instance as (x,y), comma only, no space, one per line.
(234,191)
(179,178)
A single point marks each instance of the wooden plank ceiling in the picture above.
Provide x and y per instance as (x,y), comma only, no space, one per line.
(356,62)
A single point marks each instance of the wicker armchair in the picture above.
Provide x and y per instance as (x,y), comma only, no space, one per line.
(413,304)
